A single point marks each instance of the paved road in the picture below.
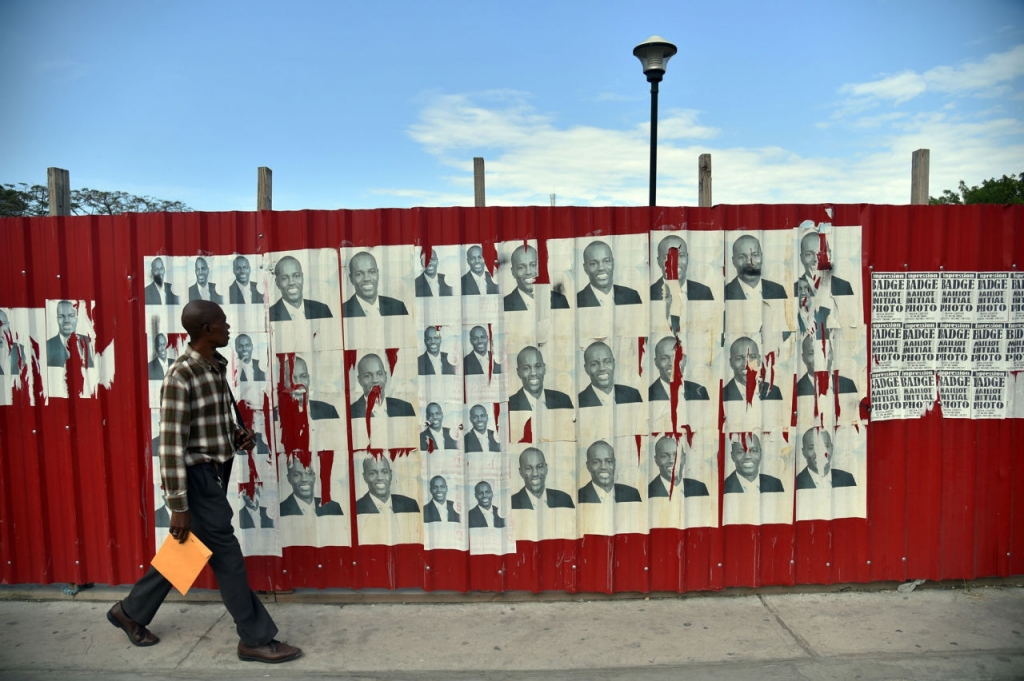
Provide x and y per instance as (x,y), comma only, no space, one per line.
(929,633)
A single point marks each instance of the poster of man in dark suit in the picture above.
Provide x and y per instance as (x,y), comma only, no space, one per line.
(531,369)
(480,438)
(524,270)
(602,487)
(599,363)
(745,450)
(824,382)
(243,291)
(664,359)
(377,475)
(435,436)
(670,457)
(203,289)
(252,509)
(248,368)
(57,353)
(159,365)
(745,361)
(430,284)
(815,257)
(373,377)
(693,290)
(599,264)
(484,514)
(159,291)
(439,508)
(365,302)
(748,283)
(819,472)
(481,360)
(477,281)
(534,470)
(302,501)
(290,282)
(300,391)
(433,362)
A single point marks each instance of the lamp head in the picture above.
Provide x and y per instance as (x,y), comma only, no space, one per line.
(654,54)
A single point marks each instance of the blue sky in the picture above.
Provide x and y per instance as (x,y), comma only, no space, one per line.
(385,104)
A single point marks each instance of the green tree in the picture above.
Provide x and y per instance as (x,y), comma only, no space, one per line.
(1007,189)
(22,200)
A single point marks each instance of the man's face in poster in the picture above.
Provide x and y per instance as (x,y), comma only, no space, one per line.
(665,356)
(746,455)
(364,276)
(160,345)
(242,270)
(301,479)
(478,339)
(530,369)
(435,417)
(67,318)
(371,372)
(289,279)
(202,271)
(534,469)
(665,458)
(601,464)
(599,363)
(599,264)
(438,489)
(243,348)
(156,268)
(432,339)
(431,268)
(478,417)
(524,268)
(744,355)
(746,258)
(664,246)
(483,495)
(475,260)
(377,476)
(812,451)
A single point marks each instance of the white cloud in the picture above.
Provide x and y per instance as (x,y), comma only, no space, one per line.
(988,77)
(528,157)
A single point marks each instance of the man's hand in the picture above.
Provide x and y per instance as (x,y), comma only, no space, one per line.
(245,439)
(181,525)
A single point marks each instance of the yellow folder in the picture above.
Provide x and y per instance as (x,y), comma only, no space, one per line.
(181,563)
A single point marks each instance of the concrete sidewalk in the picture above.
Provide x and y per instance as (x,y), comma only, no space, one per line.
(975,633)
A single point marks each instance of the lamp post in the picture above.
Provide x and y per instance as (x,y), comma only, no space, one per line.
(654,54)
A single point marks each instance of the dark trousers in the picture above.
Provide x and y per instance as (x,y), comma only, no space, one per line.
(211,522)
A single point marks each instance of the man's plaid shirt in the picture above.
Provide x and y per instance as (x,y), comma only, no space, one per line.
(197,422)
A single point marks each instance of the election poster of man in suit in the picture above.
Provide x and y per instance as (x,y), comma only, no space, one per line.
(682,479)
(438,363)
(757,293)
(611,285)
(543,502)
(758,485)
(21,329)
(828,277)
(608,499)
(609,398)
(383,399)
(681,371)
(313,492)
(256,502)
(484,364)
(541,404)
(831,473)
(684,264)
(444,506)
(388,490)
(757,380)
(304,312)
(436,286)
(70,338)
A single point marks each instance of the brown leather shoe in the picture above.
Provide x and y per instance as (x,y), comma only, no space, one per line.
(272,652)
(137,634)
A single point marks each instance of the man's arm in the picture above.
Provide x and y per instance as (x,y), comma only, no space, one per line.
(175,420)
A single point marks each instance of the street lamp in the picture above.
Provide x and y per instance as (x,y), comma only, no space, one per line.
(654,54)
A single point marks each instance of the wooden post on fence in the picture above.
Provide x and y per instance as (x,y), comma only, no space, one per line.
(704,181)
(58,185)
(478,182)
(919,178)
(264,188)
